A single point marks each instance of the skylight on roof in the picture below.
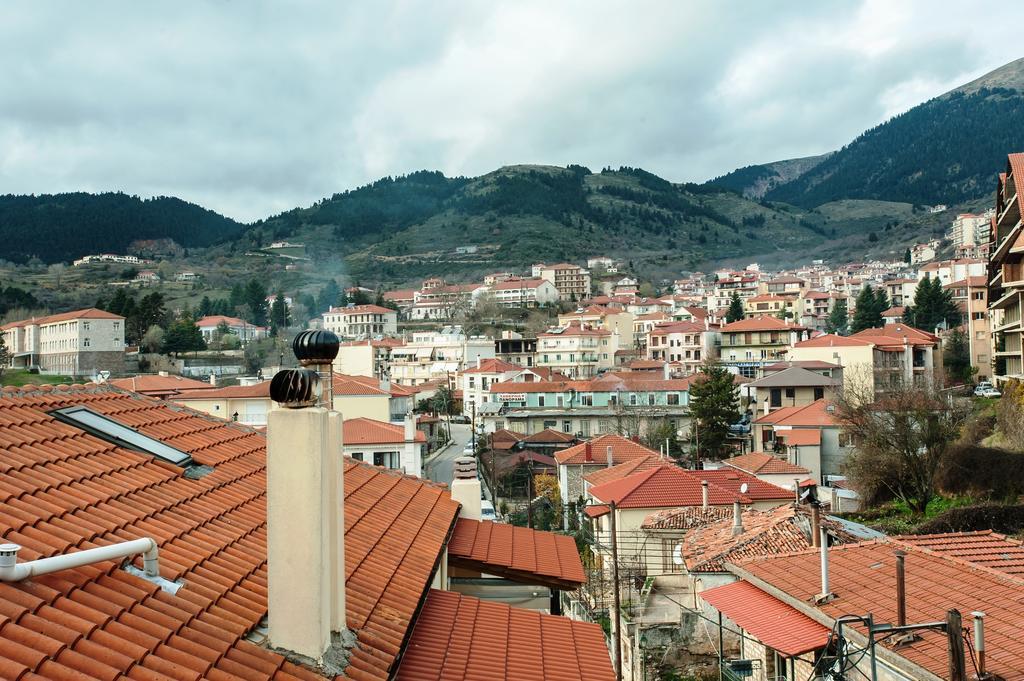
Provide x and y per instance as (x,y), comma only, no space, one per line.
(107,429)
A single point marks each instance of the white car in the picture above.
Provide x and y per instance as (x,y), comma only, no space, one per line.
(982,388)
(991,392)
(487,510)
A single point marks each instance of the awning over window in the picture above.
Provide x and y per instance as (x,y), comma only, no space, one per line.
(777,625)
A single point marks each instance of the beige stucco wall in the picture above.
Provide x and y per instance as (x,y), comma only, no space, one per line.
(363,406)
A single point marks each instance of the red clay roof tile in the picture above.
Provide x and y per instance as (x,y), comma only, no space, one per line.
(517,552)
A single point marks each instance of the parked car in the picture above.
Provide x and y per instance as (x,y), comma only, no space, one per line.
(460,418)
(991,392)
(741,427)
(487,510)
(979,390)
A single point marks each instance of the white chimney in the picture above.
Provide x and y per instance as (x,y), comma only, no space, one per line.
(667,371)
(410,427)
(704,494)
(305,530)
(611,459)
(737,519)
(213,379)
(466,488)
(164,374)
(826,594)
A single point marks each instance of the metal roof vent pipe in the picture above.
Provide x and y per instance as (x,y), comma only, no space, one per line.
(737,519)
(826,594)
(704,494)
(317,349)
(979,642)
(13,571)
(815,526)
(466,488)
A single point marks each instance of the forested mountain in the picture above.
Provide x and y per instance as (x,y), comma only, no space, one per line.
(62,227)
(947,150)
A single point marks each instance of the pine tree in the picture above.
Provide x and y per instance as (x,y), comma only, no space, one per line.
(881,303)
(330,295)
(837,321)
(735,311)
(714,406)
(957,357)
(867,315)
(183,336)
(933,306)
(256,299)
(907,257)
(279,317)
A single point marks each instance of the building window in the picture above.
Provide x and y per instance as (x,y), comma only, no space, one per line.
(567,426)
(358,456)
(673,399)
(85,342)
(587,400)
(790,393)
(632,399)
(650,399)
(978,315)
(819,393)
(540,400)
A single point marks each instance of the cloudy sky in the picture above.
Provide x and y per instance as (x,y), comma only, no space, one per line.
(251,108)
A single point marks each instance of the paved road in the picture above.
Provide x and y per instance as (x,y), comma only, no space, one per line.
(441,468)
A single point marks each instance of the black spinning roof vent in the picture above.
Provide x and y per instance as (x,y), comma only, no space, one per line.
(294,388)
(316,346)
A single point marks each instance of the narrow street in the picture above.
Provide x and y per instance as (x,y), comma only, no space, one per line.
(441,468)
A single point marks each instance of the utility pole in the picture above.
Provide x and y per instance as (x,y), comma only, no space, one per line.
(955,638)
(529,494)
(472,424)
(616,615)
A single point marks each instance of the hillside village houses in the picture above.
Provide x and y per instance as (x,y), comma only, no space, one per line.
(212,325)
(366,321)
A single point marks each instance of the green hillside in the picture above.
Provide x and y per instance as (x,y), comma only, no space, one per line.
(62,227)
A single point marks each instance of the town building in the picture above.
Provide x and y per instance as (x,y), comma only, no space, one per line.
(361,321)
(809,436)
(577,350)
(571,281)
(389,445)
(523,293)
(1006,273)
(791,387)
(971,296)
(370,357)
(751,343)
(514,348)
(212,325)
(79,343)
(161,386)
(477,381)
(437,355)
(689,344)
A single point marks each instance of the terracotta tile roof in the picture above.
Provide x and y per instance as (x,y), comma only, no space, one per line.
(685,518)
(503,438)
(87,313)
(771,621)
(549,436)
(154,384)
(516,284)
(831,340)
(623,449)
(395,389)
(218,319)
(733,480)
(493,366)
(765,464)
(351,385)
(364,431)
(231,392)
(783,529)
(986,547)
(63,489)
(458,637)
(617,472)
(763,323)
(518,553)
(863,577)
(814,414)
(678,327)
(895,335)
(800,437)
(361,309)
(670,486)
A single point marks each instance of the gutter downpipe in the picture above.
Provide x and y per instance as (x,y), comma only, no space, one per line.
(13,571)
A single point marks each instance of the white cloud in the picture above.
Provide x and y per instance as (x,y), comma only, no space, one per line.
(252,108)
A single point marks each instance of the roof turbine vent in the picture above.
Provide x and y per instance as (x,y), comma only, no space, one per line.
(315,347)
(295,388)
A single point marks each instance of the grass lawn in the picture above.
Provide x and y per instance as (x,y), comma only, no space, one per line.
(21,377)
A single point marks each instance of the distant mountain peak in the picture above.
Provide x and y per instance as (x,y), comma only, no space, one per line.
(1010,76)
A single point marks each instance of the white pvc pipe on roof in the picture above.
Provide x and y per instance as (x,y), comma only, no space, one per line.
(13,571)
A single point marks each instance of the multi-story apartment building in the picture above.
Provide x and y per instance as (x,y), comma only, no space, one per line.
(79,343)
(770,304)
(572,281)
(477,381)
(523,292)
(900,290)
(752,343)
(361,320)
(577,350)
(613,319)
(370,357)
(815,306)
(441,301)
(515,349)
(435,356)
(971,295)
(1006,272)
(784,284)
(625,403)
(687,343)
(971,234)
(949,271)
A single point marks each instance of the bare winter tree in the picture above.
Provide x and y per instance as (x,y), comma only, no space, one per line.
(901,437)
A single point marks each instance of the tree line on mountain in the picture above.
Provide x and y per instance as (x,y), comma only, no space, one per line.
(947,150)
(62,227)
(14,298)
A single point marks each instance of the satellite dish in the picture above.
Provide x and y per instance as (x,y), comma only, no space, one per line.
(744,488)
(677,554)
